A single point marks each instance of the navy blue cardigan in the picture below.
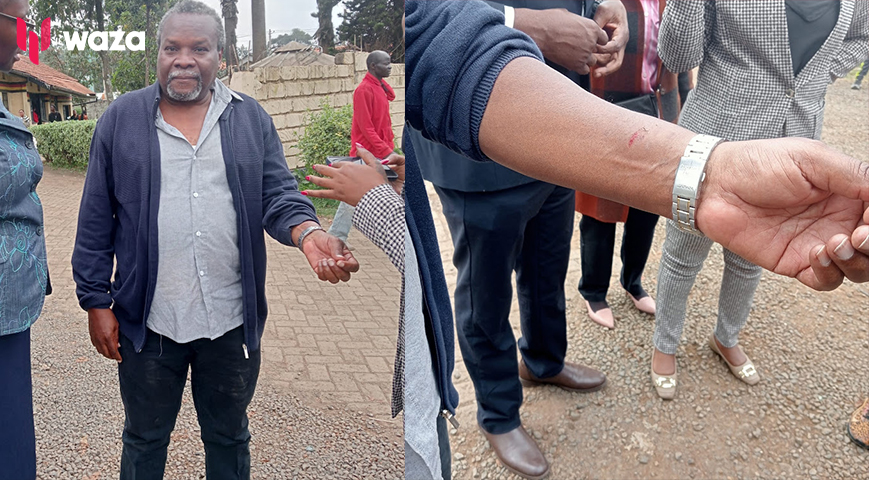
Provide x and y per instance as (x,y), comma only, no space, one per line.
(454,52)
(118,215)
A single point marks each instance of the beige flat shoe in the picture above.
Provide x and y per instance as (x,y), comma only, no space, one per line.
(745,372)
(665,385)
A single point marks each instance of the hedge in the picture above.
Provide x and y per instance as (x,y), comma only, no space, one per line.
(65,144)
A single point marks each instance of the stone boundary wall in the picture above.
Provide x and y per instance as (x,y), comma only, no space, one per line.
(288,93)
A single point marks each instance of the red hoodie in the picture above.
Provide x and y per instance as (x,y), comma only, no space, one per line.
(372,125)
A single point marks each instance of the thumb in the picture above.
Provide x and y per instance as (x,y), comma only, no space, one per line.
(336,248)
(829,169)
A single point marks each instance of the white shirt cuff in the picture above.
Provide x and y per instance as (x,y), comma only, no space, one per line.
(509,16)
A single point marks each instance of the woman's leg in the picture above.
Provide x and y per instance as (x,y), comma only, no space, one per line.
(682,259)
(17,439)
(738,285)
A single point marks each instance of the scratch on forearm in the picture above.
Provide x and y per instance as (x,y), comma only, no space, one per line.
(638,135)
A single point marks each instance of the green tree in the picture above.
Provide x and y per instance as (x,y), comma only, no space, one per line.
(325,34)
(297,35)
(135,70)
(229,10)
(374,25)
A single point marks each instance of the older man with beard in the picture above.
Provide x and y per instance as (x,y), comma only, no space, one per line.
(183,177)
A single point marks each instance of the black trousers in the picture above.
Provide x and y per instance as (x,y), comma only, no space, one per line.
(526,229)
(152,383)
(597,242)
(17,438)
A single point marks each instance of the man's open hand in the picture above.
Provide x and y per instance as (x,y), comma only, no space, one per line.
(793,206)
(329,257)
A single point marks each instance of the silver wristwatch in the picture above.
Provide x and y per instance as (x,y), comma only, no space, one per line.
(306,232)
(689,177)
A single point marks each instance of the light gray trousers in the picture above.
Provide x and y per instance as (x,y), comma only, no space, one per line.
(681,261)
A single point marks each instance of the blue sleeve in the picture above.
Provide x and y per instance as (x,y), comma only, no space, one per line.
(93,253)
(455,50)
(284,206)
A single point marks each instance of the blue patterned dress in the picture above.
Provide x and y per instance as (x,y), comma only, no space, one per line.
(23,286)
(23,266)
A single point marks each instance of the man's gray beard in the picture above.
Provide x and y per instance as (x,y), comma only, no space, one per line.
(183,97)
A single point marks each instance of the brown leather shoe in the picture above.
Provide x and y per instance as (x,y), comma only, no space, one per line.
(518,452)
(573,378)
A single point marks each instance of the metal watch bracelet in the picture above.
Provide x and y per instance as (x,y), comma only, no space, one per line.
(689,178)
(306,232)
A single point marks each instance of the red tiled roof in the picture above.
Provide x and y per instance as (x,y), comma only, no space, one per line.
(49,77)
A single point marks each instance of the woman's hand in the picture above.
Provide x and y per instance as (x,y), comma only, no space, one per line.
(348,182)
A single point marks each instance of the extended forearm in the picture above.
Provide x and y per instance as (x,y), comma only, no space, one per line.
(571,138)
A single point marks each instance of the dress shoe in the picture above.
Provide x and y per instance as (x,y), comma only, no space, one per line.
(602,316)
(645,303)
(665,385)
(573,378)
(745,372)
(858,427)
(519,453)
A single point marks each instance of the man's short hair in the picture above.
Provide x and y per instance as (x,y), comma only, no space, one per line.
(193,7)
(373,56)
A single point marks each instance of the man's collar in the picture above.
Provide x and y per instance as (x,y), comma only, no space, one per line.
(225,93)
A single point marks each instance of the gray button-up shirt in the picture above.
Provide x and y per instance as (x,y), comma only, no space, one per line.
(198,292)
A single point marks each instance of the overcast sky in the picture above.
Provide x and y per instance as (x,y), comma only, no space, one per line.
(282,16)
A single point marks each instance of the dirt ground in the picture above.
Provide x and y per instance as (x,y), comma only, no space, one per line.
(811,350)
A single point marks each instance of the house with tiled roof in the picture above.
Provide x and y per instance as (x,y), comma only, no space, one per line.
(34,88)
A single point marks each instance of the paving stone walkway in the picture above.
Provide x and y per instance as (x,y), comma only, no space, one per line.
(322,405)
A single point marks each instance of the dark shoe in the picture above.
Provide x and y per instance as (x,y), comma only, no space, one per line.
(858,427)
(518,452)
(573,378)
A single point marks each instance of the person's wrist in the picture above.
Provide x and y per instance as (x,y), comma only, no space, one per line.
(297,231)
(309,236)
(528,22)
(691,181)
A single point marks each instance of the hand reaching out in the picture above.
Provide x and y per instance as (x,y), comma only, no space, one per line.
(349,182)
(793,206)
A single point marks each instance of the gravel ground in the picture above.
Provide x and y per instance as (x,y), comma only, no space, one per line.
(811,350)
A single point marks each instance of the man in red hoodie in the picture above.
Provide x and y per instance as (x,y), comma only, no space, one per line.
(372,126)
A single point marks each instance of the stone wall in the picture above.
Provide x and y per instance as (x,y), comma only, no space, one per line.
(288,93)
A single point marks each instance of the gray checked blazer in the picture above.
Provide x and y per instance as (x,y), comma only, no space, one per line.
(746,88)
(379,215)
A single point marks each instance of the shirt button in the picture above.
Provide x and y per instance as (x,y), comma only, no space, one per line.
(39,231)
(198,234)
(195,195)
(790,93)
(202,273)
